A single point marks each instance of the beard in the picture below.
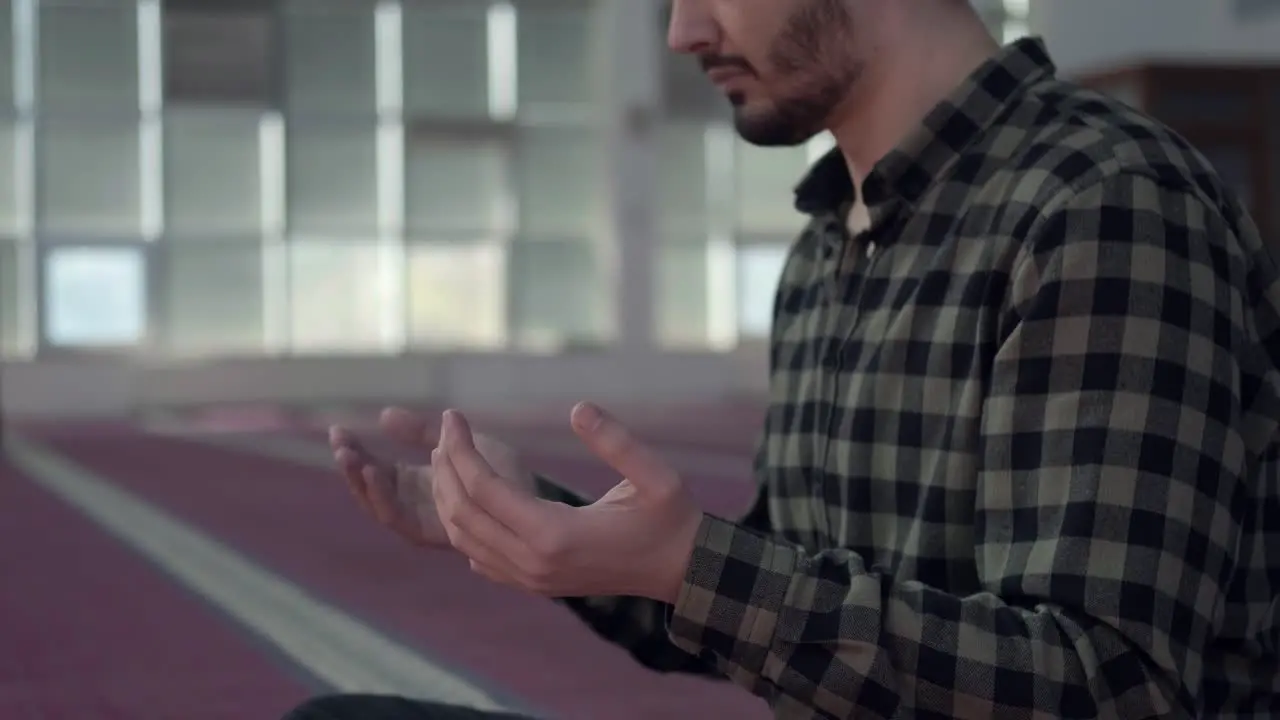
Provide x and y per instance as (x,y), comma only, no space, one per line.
(810,57)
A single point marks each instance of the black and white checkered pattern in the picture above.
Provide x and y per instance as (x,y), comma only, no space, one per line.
(1020,459)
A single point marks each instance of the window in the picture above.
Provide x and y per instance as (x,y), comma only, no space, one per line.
(448,68)
(220,56)
(95,297)
(557,294)
(212,170)
(766,181)
(344,296)
(687,93)
(213,297)
(457,295)
(17,311)
(555,68)
(457,184)
(759,270)
(88,57)
(561,182)
(330,58)
(684,177)
(90,179)
(15,177)
(8,55)
(332,178)
(681,293)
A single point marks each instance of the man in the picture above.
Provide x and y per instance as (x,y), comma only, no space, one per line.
(1021,457)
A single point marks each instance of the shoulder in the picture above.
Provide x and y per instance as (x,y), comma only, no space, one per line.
(1077,166)
(1076,142)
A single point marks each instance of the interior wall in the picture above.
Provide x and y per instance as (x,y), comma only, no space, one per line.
(492,381)
(1089,35)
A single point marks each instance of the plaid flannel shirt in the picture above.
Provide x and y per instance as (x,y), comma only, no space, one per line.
(1020,457)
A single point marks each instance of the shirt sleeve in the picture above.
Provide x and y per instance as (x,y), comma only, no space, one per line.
(639,625)
(1107,515)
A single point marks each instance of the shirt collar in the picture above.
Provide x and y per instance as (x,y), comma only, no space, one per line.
(938,142)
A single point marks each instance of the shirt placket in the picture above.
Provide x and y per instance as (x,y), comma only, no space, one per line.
(835,322)
(845,277)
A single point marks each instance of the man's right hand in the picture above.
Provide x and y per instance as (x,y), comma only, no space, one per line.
(397,494)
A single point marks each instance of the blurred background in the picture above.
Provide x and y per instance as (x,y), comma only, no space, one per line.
(225,224)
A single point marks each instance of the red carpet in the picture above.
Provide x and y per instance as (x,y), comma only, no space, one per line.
(88,631)
(301,524)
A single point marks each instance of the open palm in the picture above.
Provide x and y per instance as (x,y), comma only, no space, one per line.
(398,494)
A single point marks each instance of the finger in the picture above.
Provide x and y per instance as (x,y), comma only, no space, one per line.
(341,438)
(493,575)
(409,427)
(613,443)
(517,510)
(352,470)
(379,488)
(476,532)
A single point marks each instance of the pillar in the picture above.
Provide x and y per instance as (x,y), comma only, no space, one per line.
(631,41)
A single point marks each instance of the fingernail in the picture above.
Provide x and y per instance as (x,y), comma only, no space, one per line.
(588,417)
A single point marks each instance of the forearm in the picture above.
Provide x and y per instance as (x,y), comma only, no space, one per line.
(820,633)
(638,625)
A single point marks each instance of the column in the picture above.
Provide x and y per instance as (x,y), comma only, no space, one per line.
(629,52)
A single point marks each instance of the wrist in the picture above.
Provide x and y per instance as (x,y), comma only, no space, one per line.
(675,567)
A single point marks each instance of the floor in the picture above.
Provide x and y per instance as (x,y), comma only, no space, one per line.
(211,565)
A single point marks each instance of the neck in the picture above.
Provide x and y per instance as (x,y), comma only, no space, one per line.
(903,84)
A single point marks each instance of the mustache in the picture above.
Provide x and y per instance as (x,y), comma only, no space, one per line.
(712,62)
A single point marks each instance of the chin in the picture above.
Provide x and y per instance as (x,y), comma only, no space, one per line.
(766,127)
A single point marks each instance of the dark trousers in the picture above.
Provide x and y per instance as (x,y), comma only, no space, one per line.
(387,707)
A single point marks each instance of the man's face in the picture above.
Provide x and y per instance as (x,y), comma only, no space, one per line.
(784,64)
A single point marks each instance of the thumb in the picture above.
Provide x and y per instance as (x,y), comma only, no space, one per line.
(613,443)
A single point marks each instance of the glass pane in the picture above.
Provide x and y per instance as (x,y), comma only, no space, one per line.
(1014,30)
(681,294)
(89,179)
(14,143)
(767,178)
(554,55)
(332,179)
(687,93)
(344,296)
(213,179)
(88,57)
(330,61)
(446,59)
(556,293)
(444,277)
(213,297)
(220,57)
(95,297)
(458,185)
(759,269)
(683,176)
(16,307)
(7,50)
(560,182)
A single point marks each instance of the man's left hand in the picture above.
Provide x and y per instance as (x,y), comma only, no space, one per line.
(636,540)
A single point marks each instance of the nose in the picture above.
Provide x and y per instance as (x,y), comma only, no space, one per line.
(692,29)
